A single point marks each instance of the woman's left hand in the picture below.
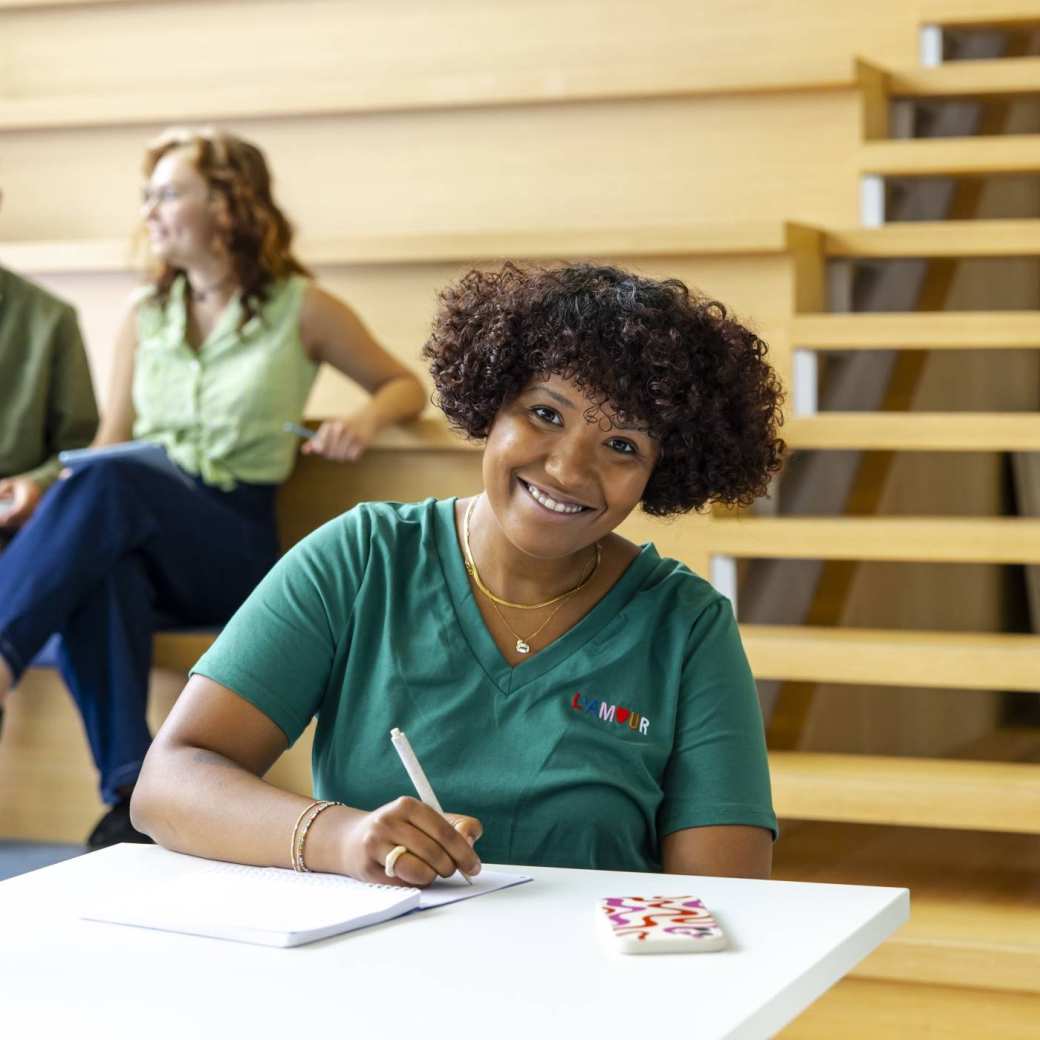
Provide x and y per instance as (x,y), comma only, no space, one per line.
(342,440)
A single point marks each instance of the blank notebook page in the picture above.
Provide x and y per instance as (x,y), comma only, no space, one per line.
(269,905)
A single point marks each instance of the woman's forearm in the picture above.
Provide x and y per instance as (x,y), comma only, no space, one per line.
(397,400)
(198,802)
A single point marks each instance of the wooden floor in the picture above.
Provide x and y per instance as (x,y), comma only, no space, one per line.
(865,1009)
(966,965)
(974,919)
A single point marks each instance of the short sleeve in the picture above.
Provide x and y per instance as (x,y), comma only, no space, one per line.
(278,650)
(718,772)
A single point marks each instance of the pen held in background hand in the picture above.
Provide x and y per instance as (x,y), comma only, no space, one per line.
(418,776)
(300,431)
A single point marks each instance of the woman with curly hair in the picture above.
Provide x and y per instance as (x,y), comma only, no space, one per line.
(582,701)
(212,362)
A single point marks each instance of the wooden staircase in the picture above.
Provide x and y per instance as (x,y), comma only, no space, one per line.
(939,825)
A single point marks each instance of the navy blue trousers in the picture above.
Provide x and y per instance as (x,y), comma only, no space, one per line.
(112,551)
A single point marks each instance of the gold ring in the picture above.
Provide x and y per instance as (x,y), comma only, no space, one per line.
(392,857)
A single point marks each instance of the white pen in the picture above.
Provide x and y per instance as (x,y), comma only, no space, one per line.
(418,777)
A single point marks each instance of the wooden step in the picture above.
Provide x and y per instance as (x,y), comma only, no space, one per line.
(974,898)
(940,330)
(939,238)
(915,792)
(998,78)
(1010,539)
(967,14)
(952,156)
(960,660)
(914,431)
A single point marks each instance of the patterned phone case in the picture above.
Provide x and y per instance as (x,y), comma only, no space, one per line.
(661,924)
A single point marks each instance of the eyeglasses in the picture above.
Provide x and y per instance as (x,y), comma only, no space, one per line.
(159,196)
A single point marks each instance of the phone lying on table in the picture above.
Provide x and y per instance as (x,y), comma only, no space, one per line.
(660,924)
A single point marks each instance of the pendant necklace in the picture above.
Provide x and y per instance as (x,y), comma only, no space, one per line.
(523,645)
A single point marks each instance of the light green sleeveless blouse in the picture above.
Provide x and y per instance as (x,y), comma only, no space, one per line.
(220,412)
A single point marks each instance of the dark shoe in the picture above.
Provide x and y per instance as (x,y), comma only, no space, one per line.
(115,827)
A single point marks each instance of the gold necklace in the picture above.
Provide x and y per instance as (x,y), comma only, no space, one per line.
(523,646)
(471,567)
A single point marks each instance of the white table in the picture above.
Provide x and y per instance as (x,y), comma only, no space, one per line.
(525,962)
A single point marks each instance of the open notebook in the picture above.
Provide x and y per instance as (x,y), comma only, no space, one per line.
(151,887)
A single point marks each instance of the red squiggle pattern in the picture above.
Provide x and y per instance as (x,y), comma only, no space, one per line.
(642,916)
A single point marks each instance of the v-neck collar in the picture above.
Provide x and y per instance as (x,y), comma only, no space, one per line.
(510,678)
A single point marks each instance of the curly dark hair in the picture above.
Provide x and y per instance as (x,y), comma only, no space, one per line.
(651,353)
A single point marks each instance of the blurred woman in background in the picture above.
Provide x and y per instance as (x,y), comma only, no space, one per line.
(212,361)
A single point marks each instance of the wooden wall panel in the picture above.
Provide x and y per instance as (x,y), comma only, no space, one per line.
(373,47)
(626,164)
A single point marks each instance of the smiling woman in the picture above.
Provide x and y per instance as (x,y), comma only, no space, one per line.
(583,701)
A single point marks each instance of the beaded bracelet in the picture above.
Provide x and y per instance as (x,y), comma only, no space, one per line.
(295,831)
(299,836)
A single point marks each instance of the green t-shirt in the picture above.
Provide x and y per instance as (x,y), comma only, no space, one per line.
(639,721)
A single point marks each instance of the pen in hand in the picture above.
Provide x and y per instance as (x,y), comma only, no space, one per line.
(418,777)
(300,431)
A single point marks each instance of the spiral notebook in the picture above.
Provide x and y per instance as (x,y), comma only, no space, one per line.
(151,887)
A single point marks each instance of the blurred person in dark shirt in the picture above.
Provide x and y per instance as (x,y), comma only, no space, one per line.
(46,395)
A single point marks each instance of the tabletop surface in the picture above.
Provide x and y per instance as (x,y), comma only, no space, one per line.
(528,961)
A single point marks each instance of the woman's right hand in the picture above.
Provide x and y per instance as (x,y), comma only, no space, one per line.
(436,846)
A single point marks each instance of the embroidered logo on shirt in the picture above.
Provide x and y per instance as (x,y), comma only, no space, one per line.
(611,713)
